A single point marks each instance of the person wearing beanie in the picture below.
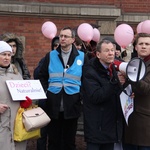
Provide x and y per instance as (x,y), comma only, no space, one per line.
(17,53)
(4,47)
(8,107)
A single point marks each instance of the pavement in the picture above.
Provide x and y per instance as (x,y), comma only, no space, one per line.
(80,144)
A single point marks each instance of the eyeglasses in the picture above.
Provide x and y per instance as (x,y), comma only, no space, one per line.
(65,36)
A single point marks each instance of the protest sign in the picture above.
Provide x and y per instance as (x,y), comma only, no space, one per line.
(19,89)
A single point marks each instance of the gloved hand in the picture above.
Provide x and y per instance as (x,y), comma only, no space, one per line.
(114,66)
(114,69)
(26,103)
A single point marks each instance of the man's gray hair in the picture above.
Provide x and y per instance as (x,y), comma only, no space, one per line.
(99,45)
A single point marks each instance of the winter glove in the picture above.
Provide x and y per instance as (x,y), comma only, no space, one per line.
(26,103)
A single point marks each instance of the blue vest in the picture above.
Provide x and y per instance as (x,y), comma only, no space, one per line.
(68,78)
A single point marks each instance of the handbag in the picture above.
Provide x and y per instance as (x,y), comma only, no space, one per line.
(35,118)
(20,133)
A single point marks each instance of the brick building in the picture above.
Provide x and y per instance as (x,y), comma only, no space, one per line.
(25,18)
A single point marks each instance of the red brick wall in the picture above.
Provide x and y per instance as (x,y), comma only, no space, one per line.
(137,6)
(36,45)
(134,6)
(30,27)
(93,2)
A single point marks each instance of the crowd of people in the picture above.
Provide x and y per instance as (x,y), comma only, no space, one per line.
(74,75)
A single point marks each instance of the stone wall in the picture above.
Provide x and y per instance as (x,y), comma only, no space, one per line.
(25,18)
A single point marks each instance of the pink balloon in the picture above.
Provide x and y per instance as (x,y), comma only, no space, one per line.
(139,29)
(123,35)
(85,32)
(96,36)
(146,26)
(49,29)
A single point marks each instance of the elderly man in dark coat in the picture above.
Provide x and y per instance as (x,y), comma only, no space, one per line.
(101,104)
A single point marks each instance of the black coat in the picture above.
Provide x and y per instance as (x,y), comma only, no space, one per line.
(71,103)
(101,105)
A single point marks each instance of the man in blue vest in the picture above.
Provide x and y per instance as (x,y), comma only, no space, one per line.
(60,76)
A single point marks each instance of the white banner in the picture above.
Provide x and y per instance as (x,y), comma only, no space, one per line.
(19,89)
(127,102)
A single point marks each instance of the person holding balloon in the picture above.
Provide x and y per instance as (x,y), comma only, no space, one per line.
(60,76)
(103,126)
(124,36)
(90,36)
(118,52)
(90,49)
(78,43)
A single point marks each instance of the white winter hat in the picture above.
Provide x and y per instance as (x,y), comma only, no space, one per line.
(5,47)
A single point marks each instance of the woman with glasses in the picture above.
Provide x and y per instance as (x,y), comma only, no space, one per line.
(8,107)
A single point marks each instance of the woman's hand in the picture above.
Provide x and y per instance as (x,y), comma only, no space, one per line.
(3,108)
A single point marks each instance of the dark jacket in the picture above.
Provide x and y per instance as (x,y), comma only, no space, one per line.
(138,130)
(18,59)
(101,105)
(37,69)
(72,103)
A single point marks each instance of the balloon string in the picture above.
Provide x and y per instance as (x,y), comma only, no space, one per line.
(91,51)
